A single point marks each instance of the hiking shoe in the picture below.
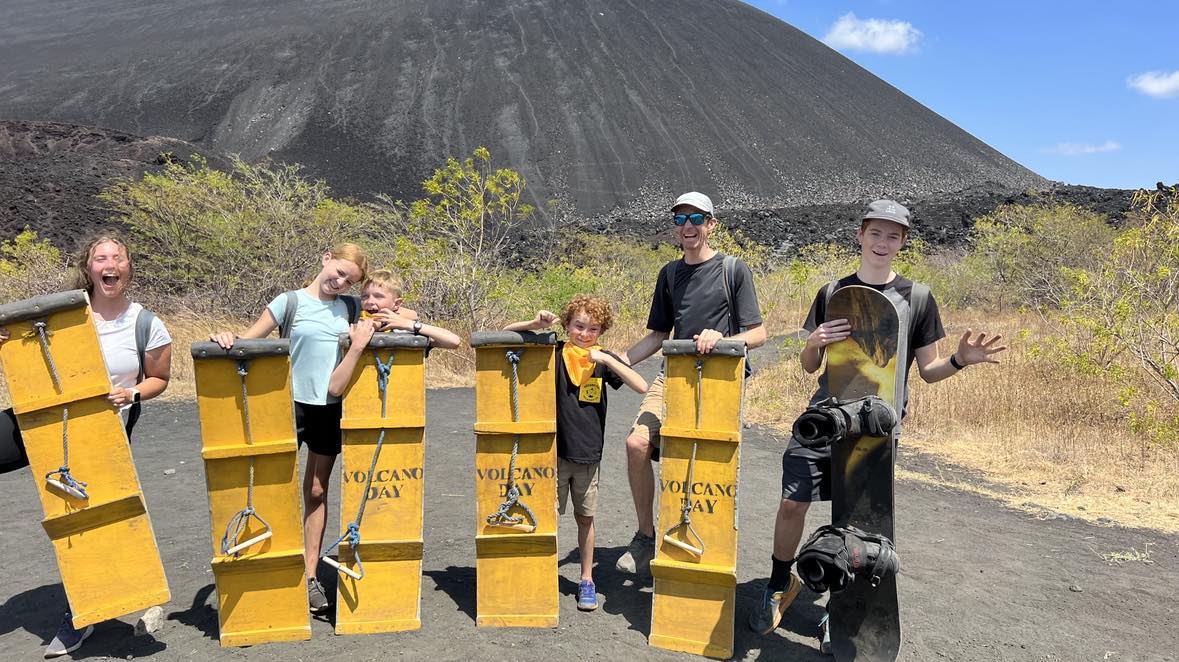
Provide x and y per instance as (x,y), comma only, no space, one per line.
(765,618)
(67,639)
(587,595)
(317,601)
(825,635)
(637,559)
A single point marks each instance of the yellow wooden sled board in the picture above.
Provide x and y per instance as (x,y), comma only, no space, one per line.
(695,593)
(105,539)
(388,597)
(258,599)
(690,615)
(516,565)
(261,590)
(536,478)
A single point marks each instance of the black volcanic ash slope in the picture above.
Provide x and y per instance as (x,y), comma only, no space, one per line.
(601,103)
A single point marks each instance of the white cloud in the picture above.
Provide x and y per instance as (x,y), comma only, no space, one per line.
(1156,83)
(873,35)
(1081,149)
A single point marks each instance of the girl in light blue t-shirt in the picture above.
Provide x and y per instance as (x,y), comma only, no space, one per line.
(321,315)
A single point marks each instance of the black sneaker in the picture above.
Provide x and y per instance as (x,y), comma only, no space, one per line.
(637,559)
(317,601)
(68,639)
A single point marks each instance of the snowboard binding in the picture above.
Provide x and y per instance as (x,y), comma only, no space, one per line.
(833,557)
(831,422)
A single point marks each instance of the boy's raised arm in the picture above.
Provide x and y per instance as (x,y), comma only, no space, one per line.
(543,320)
(624,372)
(360,334)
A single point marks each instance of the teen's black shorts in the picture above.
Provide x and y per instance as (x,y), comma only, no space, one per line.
(318,426)
(805,477)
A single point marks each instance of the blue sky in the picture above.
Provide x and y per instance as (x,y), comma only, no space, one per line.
(1083,92)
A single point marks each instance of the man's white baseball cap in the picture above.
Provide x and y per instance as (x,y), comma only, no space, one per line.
(697,200)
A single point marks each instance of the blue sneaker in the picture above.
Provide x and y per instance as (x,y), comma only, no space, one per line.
(68,639)
(587,595)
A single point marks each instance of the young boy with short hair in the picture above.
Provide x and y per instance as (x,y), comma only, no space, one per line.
(806,472)
(583,369)
(382,310)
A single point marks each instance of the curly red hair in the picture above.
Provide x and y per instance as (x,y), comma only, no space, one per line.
(596,308)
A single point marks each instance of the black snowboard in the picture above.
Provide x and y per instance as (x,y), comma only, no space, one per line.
(864,621)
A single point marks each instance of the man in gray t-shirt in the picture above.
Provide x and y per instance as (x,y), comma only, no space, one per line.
(689,305)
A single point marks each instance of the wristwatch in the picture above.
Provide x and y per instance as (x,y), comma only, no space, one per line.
(134,395)
(417,327)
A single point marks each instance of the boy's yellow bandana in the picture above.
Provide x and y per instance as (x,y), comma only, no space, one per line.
(577,363)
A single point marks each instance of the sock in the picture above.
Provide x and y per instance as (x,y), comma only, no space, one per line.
(780,575)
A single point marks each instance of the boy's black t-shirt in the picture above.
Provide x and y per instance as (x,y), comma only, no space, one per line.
(581,426)
(922,332)
(699,302)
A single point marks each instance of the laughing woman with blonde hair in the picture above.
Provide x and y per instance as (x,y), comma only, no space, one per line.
(126,331)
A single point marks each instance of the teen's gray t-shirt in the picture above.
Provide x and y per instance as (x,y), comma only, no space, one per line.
(699,303)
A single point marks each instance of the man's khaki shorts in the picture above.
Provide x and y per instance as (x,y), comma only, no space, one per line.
(582,481)
(650,417)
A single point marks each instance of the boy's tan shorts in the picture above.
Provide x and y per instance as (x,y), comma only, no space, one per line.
(650,417)
(582,481)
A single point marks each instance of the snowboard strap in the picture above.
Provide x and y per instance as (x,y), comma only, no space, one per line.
(834,556)
(832,422)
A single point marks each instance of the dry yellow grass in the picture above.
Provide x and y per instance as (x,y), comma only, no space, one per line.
(1055,439)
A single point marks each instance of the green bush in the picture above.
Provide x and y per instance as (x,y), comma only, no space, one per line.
(30,267)
(1021,254)
(451,244)
(231,241)
(1121,316)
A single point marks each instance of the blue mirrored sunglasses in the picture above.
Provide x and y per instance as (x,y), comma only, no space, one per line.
(696,219)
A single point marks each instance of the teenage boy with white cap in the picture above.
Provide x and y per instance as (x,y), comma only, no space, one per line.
(806,473)
(690,302)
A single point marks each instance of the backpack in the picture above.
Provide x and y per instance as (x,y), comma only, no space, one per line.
(142,332)
(351,302)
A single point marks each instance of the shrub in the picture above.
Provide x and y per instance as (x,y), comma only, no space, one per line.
(30,267)
(451,244)
(231,240)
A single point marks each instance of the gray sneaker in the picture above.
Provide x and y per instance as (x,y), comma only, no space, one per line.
(67,639)
(317,601)
(637,559)
(766,617)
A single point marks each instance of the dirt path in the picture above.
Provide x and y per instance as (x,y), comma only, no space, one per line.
(980,582)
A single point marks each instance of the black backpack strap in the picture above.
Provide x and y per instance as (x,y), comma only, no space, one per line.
(918,302)
(288,315)
(671,269)
(827,292)
(143,323)
(729,273)
(352,303)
